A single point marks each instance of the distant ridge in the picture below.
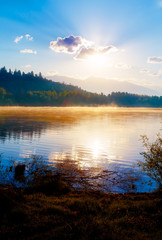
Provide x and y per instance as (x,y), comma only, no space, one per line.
(106,86)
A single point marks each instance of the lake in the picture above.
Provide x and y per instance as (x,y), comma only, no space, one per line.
(101,137)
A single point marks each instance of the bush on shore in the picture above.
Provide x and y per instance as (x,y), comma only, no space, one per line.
(152,155)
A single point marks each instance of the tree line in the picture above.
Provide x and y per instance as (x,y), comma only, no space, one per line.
(29,89)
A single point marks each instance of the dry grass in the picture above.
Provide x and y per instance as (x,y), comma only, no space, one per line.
(83,215)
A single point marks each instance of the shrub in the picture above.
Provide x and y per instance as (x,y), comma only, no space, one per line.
(153,158)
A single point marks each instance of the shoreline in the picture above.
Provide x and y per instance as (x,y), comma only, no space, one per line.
(79,106)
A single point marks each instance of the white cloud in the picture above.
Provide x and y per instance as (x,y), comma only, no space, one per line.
(17,39)
(28,51)
(123,66)
(69,44)
(82,47)
(154,74)
(27,66)
(29,37)
(157,74)
(145,70)
(154,60)
(86,52)
(149,73)
(51,73)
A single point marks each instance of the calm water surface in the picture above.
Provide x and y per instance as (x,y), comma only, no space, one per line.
(94,137)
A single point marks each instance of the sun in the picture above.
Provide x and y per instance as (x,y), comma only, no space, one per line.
(97,60)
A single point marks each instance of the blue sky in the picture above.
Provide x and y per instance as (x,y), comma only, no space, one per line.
(119,39)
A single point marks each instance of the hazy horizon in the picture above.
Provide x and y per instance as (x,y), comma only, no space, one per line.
(107,86)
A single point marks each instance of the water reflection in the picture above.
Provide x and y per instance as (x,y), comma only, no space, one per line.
(94,128)
(93,137)
(11,128)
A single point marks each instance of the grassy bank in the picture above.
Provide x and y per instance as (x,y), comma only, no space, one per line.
(79,215)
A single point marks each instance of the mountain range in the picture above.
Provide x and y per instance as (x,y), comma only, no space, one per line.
(106,86)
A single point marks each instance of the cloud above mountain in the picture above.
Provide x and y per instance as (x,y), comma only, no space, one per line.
(86,52)
(150,73)
(68,44)
(80,46)
(154,60)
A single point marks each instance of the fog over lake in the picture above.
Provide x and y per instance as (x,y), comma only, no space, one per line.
(106,138)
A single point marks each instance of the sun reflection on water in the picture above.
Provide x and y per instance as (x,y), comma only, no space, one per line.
(91,136)
(96,147)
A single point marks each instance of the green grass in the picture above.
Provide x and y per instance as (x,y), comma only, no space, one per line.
(79,215)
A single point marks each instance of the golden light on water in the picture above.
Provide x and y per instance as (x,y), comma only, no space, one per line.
(96,146)
(90,136)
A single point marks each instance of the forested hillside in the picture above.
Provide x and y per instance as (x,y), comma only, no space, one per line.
(17,82)
(30,89)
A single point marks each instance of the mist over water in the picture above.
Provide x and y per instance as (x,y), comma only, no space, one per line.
(106,138)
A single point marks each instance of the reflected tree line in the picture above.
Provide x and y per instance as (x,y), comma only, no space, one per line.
(12,129)
(29,89)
